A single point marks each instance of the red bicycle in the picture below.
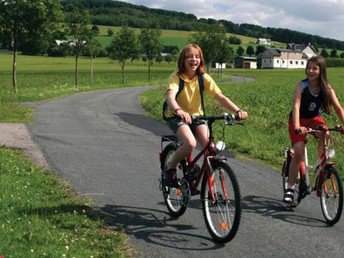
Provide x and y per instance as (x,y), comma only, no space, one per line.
(327,181)
(220,193)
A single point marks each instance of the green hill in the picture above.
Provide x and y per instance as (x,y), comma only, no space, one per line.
(116,13)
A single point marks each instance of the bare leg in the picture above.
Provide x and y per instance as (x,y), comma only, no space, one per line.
(184,134)
(299,156)
(202,134)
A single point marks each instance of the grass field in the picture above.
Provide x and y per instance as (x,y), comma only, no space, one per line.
(40,215)
(178,38)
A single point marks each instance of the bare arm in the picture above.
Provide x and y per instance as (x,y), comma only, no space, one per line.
(336,105)
(296,106)
(171,101)
(227,103)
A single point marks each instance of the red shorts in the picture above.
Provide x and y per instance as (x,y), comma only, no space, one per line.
(305,122)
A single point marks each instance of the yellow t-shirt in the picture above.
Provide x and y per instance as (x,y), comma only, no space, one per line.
(189,99)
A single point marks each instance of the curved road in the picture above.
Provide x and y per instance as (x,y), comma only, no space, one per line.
(107,148)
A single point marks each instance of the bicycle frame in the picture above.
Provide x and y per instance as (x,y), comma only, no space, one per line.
(320,166)
(209,152)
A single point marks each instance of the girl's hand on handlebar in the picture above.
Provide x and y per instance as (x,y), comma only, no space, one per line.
(184,116)
(301,130)
(241,115)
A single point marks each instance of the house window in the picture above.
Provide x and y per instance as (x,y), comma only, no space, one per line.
(291,62)
(277,61)
(296,62)
(283,61)
(302,62)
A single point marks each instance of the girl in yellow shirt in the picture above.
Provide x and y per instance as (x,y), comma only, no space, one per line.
(191,65)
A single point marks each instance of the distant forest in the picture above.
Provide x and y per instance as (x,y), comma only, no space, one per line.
(116,13)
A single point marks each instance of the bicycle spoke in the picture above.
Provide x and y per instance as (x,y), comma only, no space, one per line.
(222,215)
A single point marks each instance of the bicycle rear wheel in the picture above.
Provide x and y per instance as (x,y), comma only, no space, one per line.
(222,216)
(331,197)
(173,197)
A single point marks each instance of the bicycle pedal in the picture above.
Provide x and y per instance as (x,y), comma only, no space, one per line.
(293,204)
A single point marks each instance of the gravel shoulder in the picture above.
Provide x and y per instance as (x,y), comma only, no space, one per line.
(16,135)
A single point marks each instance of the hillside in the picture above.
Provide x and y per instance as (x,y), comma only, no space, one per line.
(116,13)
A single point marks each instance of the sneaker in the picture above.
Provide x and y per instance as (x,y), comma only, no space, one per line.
(170,178)
(289,196)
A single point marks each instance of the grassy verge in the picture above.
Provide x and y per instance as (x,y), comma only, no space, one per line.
(41,217)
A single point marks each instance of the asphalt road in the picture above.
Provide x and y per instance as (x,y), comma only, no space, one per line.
(107,148)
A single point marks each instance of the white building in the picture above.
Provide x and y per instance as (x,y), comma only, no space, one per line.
(263,41)
(275,58)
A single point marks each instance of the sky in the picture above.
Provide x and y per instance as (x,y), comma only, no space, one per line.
(324,18)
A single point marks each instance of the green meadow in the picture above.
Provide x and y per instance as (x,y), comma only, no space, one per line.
(178,38)
(41,216)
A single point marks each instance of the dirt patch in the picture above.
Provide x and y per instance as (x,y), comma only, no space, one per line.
(16,135)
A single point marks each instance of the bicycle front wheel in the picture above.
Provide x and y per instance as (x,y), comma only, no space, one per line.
(221,211)
(173,197)
(331,197)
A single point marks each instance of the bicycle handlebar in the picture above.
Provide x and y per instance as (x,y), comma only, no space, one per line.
(229,117)
(323,129)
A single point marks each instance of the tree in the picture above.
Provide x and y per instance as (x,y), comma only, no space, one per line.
(324,53)
(151,46)
(124,47)
(342,55)
(77,21)
(240,51)
(333,53)
(223,55)
(110,32)
(234,40)
(21,18)
(95,30)
(93,49)
(250,50)
(210,41)
(260,49)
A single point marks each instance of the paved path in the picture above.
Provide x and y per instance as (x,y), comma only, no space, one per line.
(107,148)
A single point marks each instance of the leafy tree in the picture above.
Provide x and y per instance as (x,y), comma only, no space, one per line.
(333,53)
(250,50)
(168,58)
(110,32)
(124,47)
(95,30)
(223,55)
(211,42)
(21,18)
(342,55)
(151,46)
(234,40)
(93,49)
(260,49)
(240,51)
(324,53)
(77,22)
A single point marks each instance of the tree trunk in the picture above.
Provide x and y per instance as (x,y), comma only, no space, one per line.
(122,66)
(14,70)
(91,68)
(76,70)
(149,71)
